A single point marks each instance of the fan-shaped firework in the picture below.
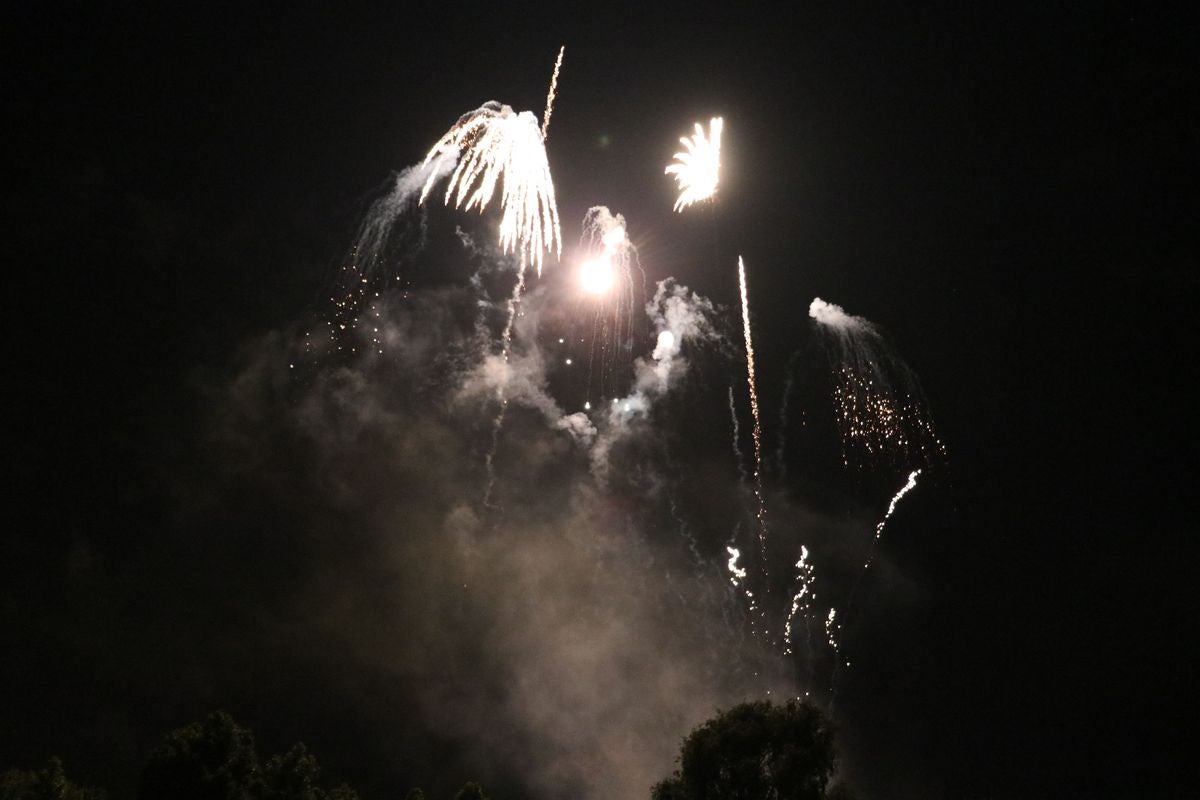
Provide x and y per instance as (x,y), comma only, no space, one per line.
(697,170)
(494,142)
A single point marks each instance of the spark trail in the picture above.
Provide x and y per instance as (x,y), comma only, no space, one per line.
(752,382)
(737,435)
(801,599)
(551,93)
(697,169)
(832,629)
(737,576)
(905,489)
(495,144)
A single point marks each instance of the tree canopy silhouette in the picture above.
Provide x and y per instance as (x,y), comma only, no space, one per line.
(756,751)
(48,783)
(215,759)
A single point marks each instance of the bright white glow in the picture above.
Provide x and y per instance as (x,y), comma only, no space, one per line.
(665,344)
(614,237)
(697,170)
(596,275)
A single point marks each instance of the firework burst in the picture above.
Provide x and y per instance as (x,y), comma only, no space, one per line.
(609,262)
(882,414)
(697,168)
(495,144)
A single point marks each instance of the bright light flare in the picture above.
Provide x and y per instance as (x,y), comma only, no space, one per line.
(697,169)
(596,275)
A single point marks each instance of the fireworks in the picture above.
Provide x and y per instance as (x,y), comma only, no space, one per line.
(596,275)
(697,169)
(881,411)
(610,257)
(905,489)
(752,381)
(606,275)
(877,403)
(801,598)
(493,142)
(550,94)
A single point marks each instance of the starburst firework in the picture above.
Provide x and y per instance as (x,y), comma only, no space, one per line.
(697,169)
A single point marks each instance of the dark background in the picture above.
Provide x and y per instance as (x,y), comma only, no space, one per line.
(1005,191)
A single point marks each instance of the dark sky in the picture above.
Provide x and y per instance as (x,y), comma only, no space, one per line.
(1003,192)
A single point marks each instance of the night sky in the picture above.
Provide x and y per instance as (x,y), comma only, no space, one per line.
(192,524)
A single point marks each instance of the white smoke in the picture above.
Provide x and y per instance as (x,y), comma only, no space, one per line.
(680,317)
(379,224)
(834,316)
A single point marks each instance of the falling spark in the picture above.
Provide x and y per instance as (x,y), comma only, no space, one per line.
(905,489)
(738,573)
(550,94)
(908,486)
(697,169)
(831,630)
(804,580)
(752,381)
(881,410)
(737,576)
(497,143)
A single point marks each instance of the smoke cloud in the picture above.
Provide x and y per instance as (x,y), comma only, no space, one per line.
(567,633)
(834,316)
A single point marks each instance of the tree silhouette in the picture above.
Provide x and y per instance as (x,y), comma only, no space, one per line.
(216,760)
(48,783)
(756,751)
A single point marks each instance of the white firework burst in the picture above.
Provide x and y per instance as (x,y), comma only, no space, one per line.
(697,170)
(499,145)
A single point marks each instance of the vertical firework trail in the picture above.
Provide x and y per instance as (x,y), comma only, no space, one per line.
(737,435)
(752,381)
(550,94)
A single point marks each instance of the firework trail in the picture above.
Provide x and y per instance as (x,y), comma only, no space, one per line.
(550,94)
(752,381)
(800,599)
(737,436)
(905,489)
(698,168)
(833,629)
(881,410)
(493,142)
